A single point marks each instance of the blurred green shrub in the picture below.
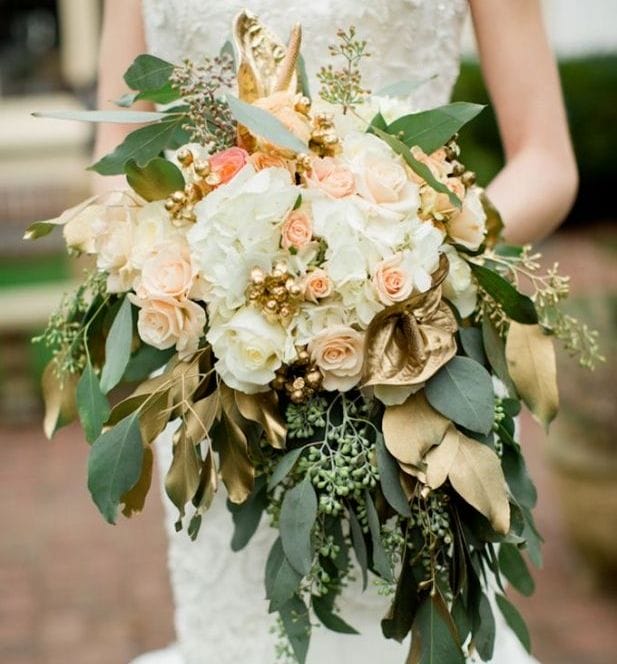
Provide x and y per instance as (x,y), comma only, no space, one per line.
(590,91)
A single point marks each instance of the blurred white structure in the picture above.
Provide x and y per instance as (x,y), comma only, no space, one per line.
(575,27)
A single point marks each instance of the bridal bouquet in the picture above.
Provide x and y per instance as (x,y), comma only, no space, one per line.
(313,293)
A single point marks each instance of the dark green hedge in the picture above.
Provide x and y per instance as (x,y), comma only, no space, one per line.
(590,91)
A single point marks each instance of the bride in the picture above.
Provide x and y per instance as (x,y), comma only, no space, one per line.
(221,612)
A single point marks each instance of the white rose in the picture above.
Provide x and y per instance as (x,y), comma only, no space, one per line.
(339,352)
(468,227)
(248,349)
(81,231)
(459,286)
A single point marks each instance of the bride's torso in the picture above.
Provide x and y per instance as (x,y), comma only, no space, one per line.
(408,39)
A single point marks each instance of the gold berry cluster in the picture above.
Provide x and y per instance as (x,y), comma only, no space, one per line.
(277,294)
(299,380)
(181,204)
(324,140)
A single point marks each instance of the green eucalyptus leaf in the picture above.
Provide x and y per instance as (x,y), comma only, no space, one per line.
(517,306)
(284,467)
(145,360)
(389,477)
(164,95)
(327,617)
(282,580)
(416,166)
(402,88)
(264,124)
(298,514)
(462,390)
(517,477)
(438,637)
(484,629)
(92,405)
(397,622)
(156,180)
(247,515)
(147,72)
(514,620)
(141,145)
(359,546)
(122,117)
(381,562)
(471,340)
(533,539)
(297,625)
(114,465)
(118,347)
(431,129)
(495,349)
(514,568)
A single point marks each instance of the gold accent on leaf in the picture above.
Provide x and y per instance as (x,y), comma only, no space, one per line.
(135,499)
(494,222)
(201,416)
(412,428)
(409,342)
(286,79)
(530,355)
(475,473)
(59,398)
(208,484)
(182,479)
(263,408)
(237,471)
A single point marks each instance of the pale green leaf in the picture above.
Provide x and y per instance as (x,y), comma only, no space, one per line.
(122,117)
(156,180)
(92,405)
(282,580)
(389,477)
(147,72)
(298,514)
(117,347)
(284,467)
(515,621)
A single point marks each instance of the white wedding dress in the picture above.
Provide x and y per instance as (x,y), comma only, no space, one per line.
(221,614)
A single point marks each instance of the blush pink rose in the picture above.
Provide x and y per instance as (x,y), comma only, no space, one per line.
(317,285)
(167,273)
(297,230)
(227,163)
(332,177)
(164,323)
(339,352)
(392,280)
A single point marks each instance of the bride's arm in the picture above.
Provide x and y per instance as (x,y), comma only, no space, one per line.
(122,39)
(537,186)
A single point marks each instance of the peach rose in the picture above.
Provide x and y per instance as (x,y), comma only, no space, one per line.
(332,177)
(392,280)
(339,352)
(168,273)
(261,160)
(164,323)
(439,166)
(227,163)
(317,285)
(282,106)
(297,230)
(468,226)
(437,204)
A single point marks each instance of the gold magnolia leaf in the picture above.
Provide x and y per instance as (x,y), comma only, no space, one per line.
(494,222)
(144,391)
(59,398)
(201,416)
(530,355)
(182,479)
(185,376)
(237,471)
(135,499)
(440,459)
(412,428)
(154,416)
(475,473)
(208,484)
(263,409)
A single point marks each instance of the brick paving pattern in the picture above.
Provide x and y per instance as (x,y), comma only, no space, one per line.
(73,588)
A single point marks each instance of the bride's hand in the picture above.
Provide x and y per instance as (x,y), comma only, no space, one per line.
(538,184)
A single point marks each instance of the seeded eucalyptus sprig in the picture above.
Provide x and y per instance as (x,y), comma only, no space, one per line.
(344,86)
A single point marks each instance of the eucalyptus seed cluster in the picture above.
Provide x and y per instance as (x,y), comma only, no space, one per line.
(432,517)
(304,418)
(211,123)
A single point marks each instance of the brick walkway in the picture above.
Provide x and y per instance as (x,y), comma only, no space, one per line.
(74,588)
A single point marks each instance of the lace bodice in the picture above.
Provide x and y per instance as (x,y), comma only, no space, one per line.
(408,39)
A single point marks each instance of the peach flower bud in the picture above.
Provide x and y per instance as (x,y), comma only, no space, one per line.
(339,352)
(317,285)
(332,177)
(297,230)
(261,160)
(227,163)
(392,280)
(282,106)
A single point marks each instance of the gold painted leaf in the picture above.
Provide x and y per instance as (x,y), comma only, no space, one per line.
(201,417)
(531,362)
(263,408)
(182,479)
(135,499)
(440,459)
(412,428)
(185,376)
(59,398)
(208,484)
(237,471)
(154,417)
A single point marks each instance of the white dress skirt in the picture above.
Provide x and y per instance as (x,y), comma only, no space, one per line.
(221,615)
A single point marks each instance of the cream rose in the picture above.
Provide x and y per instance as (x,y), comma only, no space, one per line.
(437,204)
(249,350)
(297,230)
(317,285)
(283,106)
(339,352)
(81,231)
(468,227)
(164,323)
(167,273)
(459,286)
(332,176)
(393,280)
